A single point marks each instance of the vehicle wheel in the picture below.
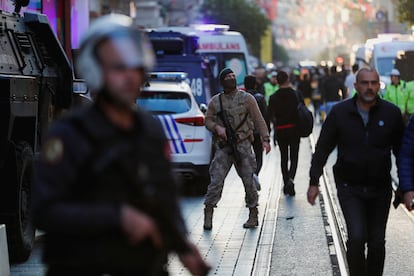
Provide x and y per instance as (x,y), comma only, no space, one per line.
(20,231)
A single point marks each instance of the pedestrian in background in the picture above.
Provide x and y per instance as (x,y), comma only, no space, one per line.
(250,85)
(333,90)
(365,129)
(350,80)
(305,88)
(271,86)
(397,92)
(260,73)
(283,111)
(98,194)
(231,117)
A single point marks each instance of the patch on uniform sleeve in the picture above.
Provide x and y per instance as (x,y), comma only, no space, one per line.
(53,151)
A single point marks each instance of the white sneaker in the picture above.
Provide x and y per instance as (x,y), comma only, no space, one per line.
(256,182)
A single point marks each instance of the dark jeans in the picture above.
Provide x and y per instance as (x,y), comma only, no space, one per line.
(365,209)
(258,152)
(288,142)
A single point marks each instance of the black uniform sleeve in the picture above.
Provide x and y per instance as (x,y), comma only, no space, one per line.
(57,169)
(168,213)
(327,141)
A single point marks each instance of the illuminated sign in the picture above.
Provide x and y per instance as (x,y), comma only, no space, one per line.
(220,46)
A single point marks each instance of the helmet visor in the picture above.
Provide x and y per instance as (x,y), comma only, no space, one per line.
(133,50)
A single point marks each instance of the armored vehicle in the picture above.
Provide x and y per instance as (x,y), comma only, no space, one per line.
(36,85)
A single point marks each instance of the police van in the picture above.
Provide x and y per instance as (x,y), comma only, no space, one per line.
(168,97)
(381,53)
(177,52)
(228,48)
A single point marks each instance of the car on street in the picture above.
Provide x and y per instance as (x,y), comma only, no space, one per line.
(168,97)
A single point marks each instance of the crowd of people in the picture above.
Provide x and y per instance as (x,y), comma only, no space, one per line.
(366,125)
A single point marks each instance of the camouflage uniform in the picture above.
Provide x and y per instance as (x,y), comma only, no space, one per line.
(220,166)
(236,105)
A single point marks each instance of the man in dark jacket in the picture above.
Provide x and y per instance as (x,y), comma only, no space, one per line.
(98,194)
(283,111)
(250,84)
(333,90)
(365,129)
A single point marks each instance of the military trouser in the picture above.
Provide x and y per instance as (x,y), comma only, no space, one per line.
(220,167)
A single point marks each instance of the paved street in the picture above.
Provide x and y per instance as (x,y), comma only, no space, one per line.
(290,239)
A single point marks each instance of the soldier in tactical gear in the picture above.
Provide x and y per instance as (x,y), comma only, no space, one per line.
(98,193)
(231,117)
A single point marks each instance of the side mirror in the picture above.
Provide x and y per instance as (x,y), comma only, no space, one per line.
(80,96)
(79,87)
(203,108)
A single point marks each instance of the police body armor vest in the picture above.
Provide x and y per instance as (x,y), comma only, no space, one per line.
(235,107)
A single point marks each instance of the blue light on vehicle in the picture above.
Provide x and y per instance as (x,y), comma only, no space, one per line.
(168,76)
(211,27)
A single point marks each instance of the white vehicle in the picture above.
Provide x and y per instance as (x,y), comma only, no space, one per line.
(228,47)
(357,55)
(168,97)
(381,53)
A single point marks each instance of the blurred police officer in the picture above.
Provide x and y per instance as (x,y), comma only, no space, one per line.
(99,196)
(365,129)
(239,111)
(397,92)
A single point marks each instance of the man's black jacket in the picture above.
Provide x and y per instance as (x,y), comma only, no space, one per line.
(331,87)
(364,152)
(79,191)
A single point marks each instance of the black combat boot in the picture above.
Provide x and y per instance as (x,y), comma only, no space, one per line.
(253,220)
(208,217)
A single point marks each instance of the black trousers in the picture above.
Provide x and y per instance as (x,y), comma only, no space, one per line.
(258,152)
(288,142)
(365,209)
(57,270)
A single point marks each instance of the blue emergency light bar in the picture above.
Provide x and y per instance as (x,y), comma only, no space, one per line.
(168,76)
(211,27)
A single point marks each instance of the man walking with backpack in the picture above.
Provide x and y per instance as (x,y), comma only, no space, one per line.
(283,111)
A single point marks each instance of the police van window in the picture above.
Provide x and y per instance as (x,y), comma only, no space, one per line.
(385,65)
(162,102)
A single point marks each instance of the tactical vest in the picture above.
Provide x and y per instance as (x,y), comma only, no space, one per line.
(235,107)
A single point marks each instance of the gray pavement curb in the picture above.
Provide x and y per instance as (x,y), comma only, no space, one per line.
(4,255)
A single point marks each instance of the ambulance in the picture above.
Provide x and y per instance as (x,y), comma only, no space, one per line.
(228,48)
(381,54)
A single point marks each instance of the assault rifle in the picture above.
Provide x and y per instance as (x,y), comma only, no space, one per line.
(230,132)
